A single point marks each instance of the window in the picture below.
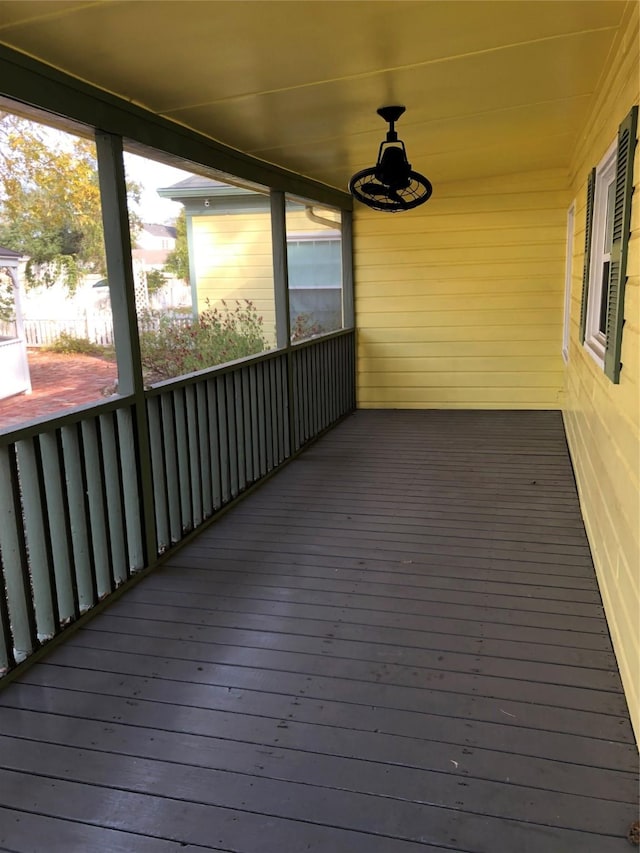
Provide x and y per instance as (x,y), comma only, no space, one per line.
(314,262)
(609,190)
(314,268)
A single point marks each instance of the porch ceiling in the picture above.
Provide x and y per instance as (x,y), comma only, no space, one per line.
(490,87)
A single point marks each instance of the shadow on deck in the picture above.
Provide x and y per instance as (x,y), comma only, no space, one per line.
(395,645)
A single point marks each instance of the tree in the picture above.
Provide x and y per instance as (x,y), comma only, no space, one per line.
(50,207)
(7,307)
(177,262)
(155,281)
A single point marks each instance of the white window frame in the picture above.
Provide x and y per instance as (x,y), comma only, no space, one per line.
(594,339)
(571,217)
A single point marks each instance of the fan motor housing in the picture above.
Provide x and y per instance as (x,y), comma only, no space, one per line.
(391,185)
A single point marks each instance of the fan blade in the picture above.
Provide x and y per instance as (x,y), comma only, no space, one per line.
(392,195)
(371,188)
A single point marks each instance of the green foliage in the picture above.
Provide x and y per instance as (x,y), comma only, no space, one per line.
(303,327)
(156,280)
(172,347)
(7,306)
(177,262)
(67,344)
(50,207)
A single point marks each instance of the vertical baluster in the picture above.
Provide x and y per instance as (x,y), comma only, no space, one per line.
(82,549)
(223,439)
(195,463)
(266,374)
(352,370)
(58,522)
(171,462)
(214,443)
(297,398)
(255,431)
(39,541)
(333,378)
(183,453)
(239,420)
(326,419)
(247,410)
(205,450)
(7,659)
(274,411)
(262,418)
(14,554)
(285,365)
(158,471)
(115,503)
(131,488)
(97,496)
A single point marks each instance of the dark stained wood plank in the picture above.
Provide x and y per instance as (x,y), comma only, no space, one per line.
(420,700)
(333,619)
(26,832)
(333,803)
(214,644)
(382,643)
(396,644)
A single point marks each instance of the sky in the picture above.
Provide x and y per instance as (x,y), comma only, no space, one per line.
(152,176)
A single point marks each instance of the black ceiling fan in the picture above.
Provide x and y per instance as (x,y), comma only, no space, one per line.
(391,185)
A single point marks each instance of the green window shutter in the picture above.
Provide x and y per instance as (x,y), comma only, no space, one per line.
(619,243)
(591,189)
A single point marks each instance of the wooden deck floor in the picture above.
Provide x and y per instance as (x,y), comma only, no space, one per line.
(396,645)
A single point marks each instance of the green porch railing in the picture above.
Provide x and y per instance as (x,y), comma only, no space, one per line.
(72,526)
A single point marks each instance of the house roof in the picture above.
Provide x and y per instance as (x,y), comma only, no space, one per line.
(491,86)
(9,253)
(160,230)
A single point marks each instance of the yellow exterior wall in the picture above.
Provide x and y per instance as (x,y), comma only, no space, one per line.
(602,419)
(232,259)
(459,302)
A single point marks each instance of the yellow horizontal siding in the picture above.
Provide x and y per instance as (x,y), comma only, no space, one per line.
(603,419)
(233,259)
(459,303)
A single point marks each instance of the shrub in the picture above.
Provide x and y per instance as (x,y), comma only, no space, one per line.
(303,327)
(171,347)
(69,344)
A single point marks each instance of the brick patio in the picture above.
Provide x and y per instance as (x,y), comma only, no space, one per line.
(59,382)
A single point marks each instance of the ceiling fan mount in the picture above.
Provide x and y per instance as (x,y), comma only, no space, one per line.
(391,185)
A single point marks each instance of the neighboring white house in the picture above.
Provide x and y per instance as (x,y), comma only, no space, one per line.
(154,243)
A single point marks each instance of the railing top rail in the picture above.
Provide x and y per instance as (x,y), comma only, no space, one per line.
(308,342)
(211,372)
(69,417)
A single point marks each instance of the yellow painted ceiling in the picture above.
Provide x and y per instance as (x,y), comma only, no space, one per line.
(490,87)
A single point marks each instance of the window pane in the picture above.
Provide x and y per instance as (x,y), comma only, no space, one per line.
(56,330)
(608,232)
(604,298)
(203,267)
(314,261)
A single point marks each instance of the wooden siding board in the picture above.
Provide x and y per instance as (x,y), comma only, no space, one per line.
(602,419)
(395,645)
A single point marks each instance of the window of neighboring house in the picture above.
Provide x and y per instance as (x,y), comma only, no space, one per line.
(571,214)
(314,269)
(314,262)
(609,191)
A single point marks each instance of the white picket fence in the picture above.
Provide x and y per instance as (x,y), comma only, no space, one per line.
(40,333)
(44,332)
